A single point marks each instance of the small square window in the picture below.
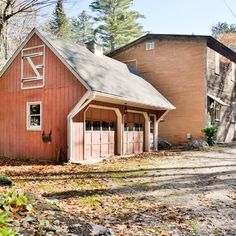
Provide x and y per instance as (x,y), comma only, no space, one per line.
(34,116)
(150,45)
(88,125)
(96,125)
(105,126)
(112,126)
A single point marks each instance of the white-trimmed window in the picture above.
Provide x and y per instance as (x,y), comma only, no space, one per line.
(233,71)
(34,116)
(217,63)
(233,118)
(150,45)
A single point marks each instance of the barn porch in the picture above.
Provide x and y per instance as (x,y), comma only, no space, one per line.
(102,129)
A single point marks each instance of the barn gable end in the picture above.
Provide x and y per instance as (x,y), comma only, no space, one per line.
(60,93)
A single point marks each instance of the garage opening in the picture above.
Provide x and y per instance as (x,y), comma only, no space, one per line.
(133,133)
(100,133)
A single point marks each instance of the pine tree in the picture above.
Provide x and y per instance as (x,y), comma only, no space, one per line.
(82,28)
(59,24)
(118,23)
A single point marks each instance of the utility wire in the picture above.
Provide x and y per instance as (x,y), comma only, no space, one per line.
(229,8)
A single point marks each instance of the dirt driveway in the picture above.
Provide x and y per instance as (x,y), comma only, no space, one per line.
(189,193)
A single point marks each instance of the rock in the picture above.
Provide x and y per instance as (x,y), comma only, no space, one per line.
(196,144)
(200,144)
(98,230)
(163,144)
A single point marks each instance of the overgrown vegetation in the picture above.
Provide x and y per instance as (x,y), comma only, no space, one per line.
(210,131)
(11,203)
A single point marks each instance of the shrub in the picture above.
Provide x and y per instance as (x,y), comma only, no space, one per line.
(13,200)
(210,132)
(11,203)
(5,181)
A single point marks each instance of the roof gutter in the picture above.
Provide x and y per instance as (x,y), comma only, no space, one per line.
(83,102)
(125,100)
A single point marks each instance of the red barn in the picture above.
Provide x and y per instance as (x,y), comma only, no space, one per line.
(64,101)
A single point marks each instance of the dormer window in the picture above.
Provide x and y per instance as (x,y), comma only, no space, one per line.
(150,45)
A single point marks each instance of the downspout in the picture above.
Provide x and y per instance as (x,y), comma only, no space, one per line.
(84,101)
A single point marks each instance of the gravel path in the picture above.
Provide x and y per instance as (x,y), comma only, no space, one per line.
(205,182)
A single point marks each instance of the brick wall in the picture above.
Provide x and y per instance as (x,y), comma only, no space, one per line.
(177,69)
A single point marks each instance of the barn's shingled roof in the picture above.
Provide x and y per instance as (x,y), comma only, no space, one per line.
(105,75)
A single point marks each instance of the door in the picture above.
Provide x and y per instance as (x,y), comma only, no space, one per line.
(100,133)
(133,133)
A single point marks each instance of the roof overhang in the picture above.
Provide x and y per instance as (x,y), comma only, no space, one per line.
(218,100)
(211,42)
(102,97)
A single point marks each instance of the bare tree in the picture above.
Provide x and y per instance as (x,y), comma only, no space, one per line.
(10,8)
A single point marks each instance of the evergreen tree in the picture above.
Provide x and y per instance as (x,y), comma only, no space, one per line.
(59,24)
(82,28)
(118,23)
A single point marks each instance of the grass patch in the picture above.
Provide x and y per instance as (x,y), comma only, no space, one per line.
(5,181)
(142,186)
(92,201)
(130,174)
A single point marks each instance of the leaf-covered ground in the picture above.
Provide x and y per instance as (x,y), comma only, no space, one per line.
(190,193)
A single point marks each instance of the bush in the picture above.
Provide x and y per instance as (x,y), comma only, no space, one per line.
(210,132)
(5,181)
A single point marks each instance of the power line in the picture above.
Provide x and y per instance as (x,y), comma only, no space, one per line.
(229,8)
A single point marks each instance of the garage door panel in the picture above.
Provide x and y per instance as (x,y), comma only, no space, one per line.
(96,150)
(88,137)
(134,133)
(112,137)
(104,137)
(100,133)
(136,136)
(88,149)
(130,137)
(130,148)
(136,147)
(111,149)
(96,137)
(104,150)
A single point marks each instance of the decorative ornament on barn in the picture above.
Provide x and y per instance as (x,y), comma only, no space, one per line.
(33,67)
(47,138)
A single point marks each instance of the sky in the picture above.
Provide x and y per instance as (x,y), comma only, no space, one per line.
(175,16)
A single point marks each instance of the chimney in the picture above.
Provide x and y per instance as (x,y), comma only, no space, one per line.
(94,47)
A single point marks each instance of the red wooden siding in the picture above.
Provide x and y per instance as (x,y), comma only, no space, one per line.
(60,94)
